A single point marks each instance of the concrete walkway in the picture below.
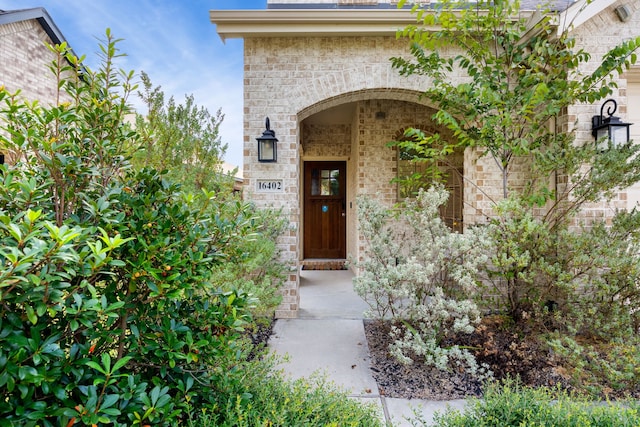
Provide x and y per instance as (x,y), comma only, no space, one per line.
(328,338)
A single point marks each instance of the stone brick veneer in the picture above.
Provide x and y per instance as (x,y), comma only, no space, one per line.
(24,63)
(25,58)
(598,36)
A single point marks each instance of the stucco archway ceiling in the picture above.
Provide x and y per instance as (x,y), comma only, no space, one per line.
(341,114)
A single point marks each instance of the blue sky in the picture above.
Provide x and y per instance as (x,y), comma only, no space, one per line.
(173,41)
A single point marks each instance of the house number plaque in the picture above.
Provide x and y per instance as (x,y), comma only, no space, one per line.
(269,186)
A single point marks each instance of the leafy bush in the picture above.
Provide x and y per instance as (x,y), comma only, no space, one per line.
(524,269)
(253,261)
(601,368)
(605,290)
(510,404)
(578,288)
(420,275)
(586,276)
(109,312)
(181,138)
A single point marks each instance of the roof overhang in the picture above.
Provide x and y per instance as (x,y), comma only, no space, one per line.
(309,22)
(569,19)
(43,18)
(580,12)
(41,15)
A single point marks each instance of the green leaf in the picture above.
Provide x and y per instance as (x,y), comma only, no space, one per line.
(27,373)
(108,401)
(31,315)
(106,362)
(120,363)
(32,216)
(114,412)
(96,366)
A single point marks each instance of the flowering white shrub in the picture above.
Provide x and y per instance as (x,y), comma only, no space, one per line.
(420,275)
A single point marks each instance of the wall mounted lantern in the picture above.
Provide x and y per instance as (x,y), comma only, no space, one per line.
(611,127)
(267,144)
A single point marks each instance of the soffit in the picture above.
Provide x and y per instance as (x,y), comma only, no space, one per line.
(580,12)
(309,22)
(40,14)
(325,22)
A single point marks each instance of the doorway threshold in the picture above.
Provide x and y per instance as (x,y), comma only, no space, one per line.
(324,264)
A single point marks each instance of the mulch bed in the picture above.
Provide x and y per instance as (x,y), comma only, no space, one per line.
(506,353)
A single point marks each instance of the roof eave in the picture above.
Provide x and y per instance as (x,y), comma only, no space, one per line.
(309,22)
(580,12)
(41,15)
(43,18)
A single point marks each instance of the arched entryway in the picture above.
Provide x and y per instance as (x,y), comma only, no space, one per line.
(345,152)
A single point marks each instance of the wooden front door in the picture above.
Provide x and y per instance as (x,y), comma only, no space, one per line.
(325,222)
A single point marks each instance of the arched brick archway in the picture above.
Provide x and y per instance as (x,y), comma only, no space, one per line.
(397,94)
(355,128)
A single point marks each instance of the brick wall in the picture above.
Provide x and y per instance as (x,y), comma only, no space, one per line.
(24,64)
(318,140)
(593,37)
(24,60)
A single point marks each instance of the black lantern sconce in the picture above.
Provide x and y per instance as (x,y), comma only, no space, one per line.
(611,127)
(267,144)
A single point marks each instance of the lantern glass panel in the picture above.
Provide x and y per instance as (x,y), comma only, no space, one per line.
(267,152)
(602,138)
(619,135)
(602,133)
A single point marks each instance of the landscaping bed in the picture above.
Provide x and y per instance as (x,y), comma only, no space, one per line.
(507,353)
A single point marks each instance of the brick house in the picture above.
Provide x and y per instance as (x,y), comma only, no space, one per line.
(24,56)
(320,70)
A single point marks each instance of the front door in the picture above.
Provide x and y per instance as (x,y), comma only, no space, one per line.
(325,222)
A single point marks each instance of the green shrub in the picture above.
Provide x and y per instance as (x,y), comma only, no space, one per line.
(600,368)
(523,271)
(109,314)
(510,404)
(102,328)
(253,262)
(267,398)
(605,290)
(587,276)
